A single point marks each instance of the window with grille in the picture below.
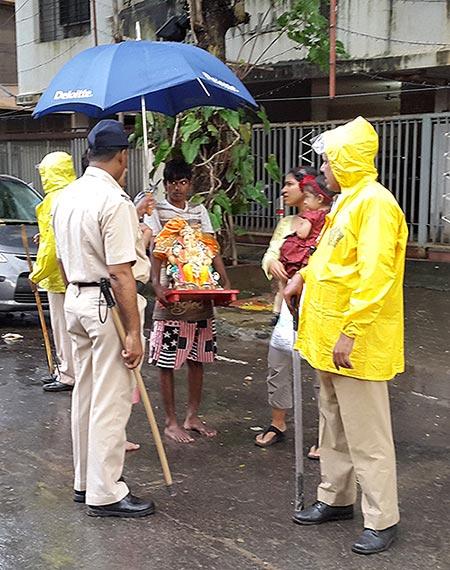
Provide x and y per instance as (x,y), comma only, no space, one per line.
(60,19)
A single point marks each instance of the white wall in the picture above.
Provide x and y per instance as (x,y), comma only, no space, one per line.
(401,22)
(38,62)
(411,20)
(419,21)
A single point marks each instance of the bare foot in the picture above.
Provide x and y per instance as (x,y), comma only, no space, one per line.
(196,424)
(178,434)
(130,446)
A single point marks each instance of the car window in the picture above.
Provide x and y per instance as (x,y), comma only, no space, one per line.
(17,202)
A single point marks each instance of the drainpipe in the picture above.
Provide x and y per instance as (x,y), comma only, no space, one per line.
(94,21)
(332,79)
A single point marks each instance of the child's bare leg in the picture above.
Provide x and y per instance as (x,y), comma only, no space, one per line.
(192,421)
(172,429)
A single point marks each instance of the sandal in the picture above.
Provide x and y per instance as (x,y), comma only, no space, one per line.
(279,436)
(314,453)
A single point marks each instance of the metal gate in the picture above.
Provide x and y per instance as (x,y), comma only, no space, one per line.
(413,162)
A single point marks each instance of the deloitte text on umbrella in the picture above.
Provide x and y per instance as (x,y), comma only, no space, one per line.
(78,94)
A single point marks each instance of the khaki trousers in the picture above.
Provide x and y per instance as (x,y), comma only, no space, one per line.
(101,399)
(356,446)
(61,338)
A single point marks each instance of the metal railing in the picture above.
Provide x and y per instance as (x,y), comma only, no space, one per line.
(413,162)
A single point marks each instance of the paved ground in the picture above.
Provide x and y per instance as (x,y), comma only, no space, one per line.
(234,501)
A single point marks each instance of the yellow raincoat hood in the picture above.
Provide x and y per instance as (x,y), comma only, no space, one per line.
(57,171)
(351,150)
(354,280)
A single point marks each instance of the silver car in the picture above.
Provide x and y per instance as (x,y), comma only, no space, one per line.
(18,202)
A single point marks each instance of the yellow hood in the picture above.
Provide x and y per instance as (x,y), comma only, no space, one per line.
(57,171)
(351,150)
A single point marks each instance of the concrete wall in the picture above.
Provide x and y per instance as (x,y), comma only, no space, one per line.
(39,61)
(424,24)
(405,26)
(8,64)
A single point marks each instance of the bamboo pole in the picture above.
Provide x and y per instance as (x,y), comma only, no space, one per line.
(48,349)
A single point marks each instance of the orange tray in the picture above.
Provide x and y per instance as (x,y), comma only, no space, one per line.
(217,296)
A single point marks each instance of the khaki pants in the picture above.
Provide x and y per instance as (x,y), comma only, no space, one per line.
(61,338)
(356,446)
(101,399)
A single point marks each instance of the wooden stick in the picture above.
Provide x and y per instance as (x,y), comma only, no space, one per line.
(147,405)
(48,349)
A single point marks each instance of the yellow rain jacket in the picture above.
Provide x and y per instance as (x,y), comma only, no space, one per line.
(354,280)
(56,171)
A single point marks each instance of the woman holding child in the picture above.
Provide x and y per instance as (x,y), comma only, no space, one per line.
(289,250)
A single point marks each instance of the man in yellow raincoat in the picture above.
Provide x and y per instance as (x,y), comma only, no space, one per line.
(57,171)
(351,332)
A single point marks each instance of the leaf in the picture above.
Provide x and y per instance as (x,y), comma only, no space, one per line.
(240,231)
(189,126)
(264,119)
(223,201)
(245,130)
(230,117)
(272,168)
(197,199)
(207,112)
(212,129)
(216,221)
(191,148)
(162,153)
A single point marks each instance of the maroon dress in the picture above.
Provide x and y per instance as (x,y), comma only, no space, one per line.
(295,251)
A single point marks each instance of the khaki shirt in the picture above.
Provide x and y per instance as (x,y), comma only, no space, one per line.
(96,225)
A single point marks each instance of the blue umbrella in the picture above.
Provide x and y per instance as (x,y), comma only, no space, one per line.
(171,77)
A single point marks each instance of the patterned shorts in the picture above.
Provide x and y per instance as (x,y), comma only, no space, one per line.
(174,342)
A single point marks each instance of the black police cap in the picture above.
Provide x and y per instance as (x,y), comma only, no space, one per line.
(108,134)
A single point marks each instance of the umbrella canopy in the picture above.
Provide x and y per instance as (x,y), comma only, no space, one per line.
(172,77)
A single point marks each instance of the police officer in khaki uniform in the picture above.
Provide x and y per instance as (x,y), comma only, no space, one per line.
(98,236)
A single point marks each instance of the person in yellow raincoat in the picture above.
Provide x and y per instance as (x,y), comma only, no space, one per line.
(57,171)
(351,332)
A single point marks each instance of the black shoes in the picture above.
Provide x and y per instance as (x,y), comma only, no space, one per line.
(57,386)
(129,507)
(319,513)
(373,541)
(370,542)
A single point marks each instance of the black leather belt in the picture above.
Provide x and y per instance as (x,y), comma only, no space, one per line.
(139,285)
(89,284)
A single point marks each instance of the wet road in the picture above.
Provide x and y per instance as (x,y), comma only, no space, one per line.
(234,500)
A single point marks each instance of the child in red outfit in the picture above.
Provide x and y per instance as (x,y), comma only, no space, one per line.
(297,247)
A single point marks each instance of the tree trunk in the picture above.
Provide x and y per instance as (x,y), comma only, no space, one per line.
(211,19)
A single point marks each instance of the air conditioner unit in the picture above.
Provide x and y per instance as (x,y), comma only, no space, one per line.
(26,99)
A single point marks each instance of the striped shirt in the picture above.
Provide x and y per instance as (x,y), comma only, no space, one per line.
(194,214)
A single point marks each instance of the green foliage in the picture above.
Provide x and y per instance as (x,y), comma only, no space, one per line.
(272,168)
(306,25)
(217,142)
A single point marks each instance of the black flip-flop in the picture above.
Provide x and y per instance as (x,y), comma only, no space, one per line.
(279,436)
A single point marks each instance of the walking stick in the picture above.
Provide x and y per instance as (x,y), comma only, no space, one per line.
(298,422)
(104,286)
(48,349)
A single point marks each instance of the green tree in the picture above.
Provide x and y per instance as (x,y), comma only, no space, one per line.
(217,142)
